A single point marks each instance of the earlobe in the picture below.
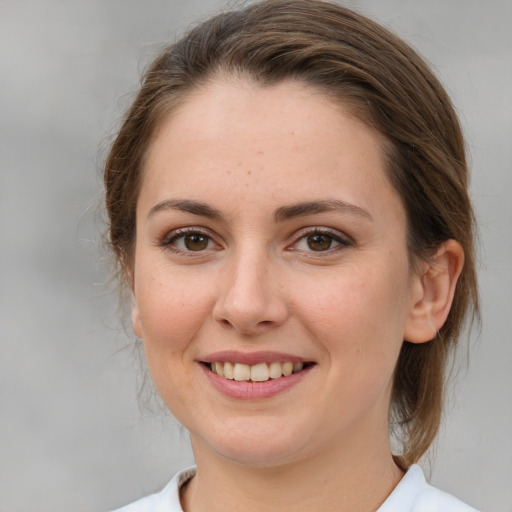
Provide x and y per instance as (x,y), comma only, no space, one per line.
(136,324)
(433,293)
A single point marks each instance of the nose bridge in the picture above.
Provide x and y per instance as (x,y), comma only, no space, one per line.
(249,297)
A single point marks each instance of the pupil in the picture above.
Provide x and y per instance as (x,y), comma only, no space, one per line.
(319,242)
(196,242)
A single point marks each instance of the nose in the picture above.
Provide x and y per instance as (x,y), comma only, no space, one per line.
(251,298)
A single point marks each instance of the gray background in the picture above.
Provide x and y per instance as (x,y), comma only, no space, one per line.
(72,435)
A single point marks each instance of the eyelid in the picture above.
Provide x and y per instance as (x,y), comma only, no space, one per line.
(167,241)
(343,239)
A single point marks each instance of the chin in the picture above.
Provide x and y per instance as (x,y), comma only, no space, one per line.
(257,458)
(257,447)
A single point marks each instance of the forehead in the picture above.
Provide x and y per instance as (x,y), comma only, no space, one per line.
(276,141)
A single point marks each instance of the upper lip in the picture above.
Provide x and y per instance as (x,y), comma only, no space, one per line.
(252,358)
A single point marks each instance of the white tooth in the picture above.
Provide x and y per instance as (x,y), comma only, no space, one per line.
(259,372)
(275,370)
(219,368)
(241,372)
(287,368)
(228,370)
(297,367)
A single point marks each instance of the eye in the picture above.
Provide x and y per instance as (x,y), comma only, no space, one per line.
(193,242)
(320,240)
(186,241)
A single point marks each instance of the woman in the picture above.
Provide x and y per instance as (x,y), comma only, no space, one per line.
(288,205)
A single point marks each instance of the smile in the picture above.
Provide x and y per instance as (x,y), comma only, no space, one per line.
(260,372)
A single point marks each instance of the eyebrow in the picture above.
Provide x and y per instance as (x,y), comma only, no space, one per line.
(312,207)
(281,214)
(186,205)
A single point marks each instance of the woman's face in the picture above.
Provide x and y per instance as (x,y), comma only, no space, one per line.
(268,235)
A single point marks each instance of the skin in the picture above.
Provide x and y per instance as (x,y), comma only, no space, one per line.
(257,284)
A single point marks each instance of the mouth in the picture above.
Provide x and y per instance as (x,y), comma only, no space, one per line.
(260,372)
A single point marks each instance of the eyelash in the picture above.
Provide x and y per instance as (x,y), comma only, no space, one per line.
(342,241)
(169,241)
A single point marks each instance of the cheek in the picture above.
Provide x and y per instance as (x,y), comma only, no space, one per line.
(357,311)
(172,309)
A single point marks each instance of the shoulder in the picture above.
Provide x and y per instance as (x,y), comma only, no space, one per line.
(167,500)
(433,499)
(414,494)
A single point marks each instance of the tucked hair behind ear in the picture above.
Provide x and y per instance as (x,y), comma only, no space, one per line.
(387,85)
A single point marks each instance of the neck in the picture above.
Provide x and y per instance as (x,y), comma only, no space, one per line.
(355,479)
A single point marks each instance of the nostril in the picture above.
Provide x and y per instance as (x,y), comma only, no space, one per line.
(249,311)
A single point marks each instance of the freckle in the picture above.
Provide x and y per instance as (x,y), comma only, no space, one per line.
(249,172)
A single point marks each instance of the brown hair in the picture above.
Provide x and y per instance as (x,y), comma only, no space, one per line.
(388,86)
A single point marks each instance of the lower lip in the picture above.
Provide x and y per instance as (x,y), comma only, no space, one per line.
(248,390)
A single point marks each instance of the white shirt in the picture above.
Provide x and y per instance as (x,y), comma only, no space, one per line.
(412,494)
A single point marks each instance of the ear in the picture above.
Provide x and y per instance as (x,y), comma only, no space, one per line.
(136,323)
(433,291)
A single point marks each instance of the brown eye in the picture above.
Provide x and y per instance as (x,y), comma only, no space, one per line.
(189,241)
(196,242)
(319,242)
